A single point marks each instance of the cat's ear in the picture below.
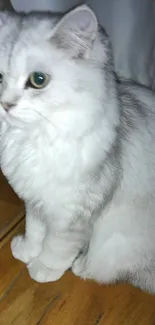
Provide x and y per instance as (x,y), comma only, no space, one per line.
(76,31)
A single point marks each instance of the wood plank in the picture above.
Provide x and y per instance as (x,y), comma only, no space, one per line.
(78,305)
(91,304)
(71,301)
(11,208)
(27,301)
(9,267)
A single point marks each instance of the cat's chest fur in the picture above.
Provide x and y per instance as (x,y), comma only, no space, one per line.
(42,168)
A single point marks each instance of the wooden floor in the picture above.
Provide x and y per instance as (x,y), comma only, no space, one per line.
(69,301)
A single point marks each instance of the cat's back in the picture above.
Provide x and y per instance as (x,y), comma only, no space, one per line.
(137,110)
(142,95)
(137,134)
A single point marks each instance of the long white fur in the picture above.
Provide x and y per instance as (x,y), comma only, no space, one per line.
(88,205)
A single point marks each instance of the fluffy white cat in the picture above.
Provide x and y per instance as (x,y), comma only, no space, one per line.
(79,149)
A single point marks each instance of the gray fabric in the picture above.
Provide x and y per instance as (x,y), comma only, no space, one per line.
(54,5)
(131,28)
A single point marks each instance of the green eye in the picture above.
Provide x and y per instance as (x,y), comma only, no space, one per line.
(38,80)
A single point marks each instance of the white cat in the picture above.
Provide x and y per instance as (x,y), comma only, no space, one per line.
(79,149)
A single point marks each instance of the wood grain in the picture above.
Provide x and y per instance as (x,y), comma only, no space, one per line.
(9,267)
(11,208)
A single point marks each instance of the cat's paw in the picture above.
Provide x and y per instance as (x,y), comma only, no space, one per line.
(79,266)
(22,250)
(40,273)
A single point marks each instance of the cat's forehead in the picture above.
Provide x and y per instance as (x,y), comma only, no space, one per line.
(8,34)
(35,27)
(22,38)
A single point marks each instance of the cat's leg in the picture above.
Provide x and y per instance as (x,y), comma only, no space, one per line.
(119,255)
(28,246)
(59,251)
(103,262)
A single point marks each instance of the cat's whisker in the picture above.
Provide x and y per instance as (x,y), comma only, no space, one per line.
(44,118)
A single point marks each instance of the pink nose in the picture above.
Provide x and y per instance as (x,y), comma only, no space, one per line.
(7,106)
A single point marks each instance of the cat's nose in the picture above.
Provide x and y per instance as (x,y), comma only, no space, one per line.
(7,106)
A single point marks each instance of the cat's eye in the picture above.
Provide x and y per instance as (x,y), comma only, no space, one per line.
(38,80)
(1,78)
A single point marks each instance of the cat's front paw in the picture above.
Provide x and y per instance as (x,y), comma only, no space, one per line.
(79,266)
(40,273)
(22,250)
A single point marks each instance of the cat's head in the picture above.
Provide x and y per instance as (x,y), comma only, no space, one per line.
(49,66)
